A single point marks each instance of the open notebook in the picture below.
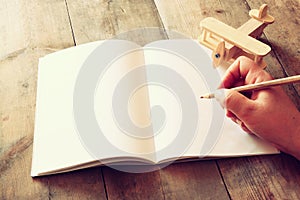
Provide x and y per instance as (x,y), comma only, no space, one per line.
(113,101)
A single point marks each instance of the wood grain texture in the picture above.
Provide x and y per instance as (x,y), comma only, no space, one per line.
(283,35)
(83,184)
(194,180)
(262,177)
(98,20)
(32,24)
(123,185)
(17,107)
(184,16)
(29,30)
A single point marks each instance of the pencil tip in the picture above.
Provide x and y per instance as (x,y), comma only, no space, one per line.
(207,96)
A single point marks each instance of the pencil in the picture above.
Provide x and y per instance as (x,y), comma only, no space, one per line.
(258,86)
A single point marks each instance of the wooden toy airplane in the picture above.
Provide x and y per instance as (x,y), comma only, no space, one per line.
(229,43)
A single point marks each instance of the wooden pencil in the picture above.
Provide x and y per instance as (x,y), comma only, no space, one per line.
(258,86)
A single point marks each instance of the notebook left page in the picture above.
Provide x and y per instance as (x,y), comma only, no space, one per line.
(75,122)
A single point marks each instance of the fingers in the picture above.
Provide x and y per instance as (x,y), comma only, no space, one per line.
(243,109)
(236,72)
(229,100)
(245,128)
(243,71)
(238,106)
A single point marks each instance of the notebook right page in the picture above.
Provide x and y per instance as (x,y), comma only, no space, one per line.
(180,71)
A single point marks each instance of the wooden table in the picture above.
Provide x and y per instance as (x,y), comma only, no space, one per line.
(31,29)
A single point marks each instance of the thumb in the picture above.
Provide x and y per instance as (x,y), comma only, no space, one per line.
(235,102)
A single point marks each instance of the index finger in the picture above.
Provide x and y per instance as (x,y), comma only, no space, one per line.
(238,71)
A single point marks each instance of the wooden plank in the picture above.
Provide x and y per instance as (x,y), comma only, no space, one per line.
(31,24)
(184,17)
(178,181)
(29,30)
(284,34)
(22,25)
(98,20)
(193,180)
(15,180)
(262,177)
(82,184)
(122,185)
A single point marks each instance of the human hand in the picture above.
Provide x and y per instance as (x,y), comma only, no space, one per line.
(267,113)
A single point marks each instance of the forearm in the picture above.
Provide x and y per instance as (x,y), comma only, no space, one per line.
(296,139)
